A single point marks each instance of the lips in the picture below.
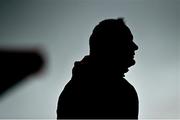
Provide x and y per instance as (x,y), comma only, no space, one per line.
(132,55)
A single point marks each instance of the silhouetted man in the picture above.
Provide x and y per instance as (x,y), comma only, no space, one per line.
(97,88)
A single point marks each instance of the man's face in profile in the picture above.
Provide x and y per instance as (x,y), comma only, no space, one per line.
(122,52)
(128,49)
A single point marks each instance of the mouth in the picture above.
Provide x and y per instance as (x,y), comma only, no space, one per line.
(132,55)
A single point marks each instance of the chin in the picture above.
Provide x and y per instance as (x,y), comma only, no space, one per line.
(131,63)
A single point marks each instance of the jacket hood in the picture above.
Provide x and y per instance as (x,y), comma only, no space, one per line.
(88,66)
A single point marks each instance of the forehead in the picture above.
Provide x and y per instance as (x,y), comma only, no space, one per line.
(125,33)
(130,35)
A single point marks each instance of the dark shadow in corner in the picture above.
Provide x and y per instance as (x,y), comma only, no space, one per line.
(98,88)
(15,65)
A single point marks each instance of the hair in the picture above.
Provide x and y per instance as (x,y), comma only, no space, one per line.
(106,33)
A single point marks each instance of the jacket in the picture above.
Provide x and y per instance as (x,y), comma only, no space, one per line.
(97,91)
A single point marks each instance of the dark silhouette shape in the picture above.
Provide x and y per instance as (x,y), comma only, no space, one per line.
(97,88)
(15,65)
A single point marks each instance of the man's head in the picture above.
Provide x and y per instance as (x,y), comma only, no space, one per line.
(112,41)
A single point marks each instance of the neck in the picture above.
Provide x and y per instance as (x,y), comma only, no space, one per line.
(108,66)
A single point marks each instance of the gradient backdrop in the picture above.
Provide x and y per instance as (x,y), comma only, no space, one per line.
(61,30)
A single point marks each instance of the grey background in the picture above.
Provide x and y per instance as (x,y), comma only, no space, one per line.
(61,30)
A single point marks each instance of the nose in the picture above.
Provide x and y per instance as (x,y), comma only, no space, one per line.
(135,46)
